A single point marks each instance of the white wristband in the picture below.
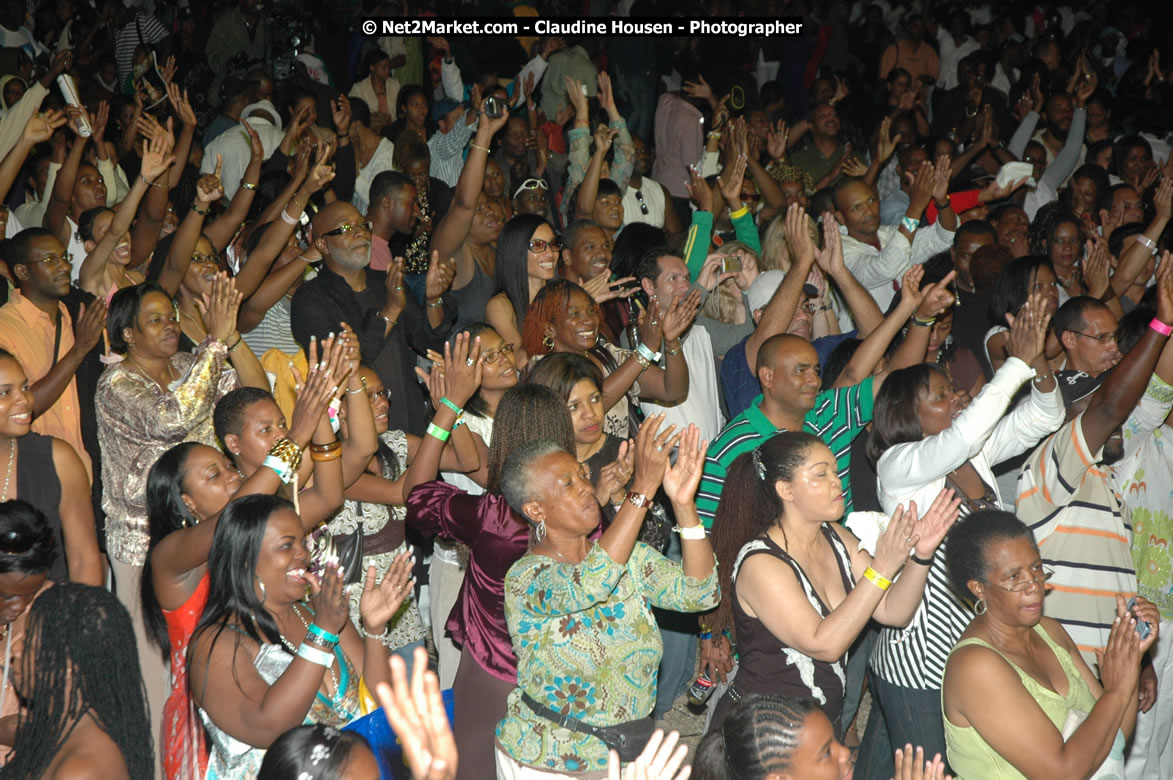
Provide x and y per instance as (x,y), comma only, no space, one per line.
(288,219)
(694,532)
(315,656)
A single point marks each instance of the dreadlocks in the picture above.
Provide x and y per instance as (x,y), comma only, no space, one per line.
(758,737)
(80,659)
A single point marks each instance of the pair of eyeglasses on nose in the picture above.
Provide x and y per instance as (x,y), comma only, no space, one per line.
(1103,338)
(541,244)
(346,228)
(375,395)
(65,258)
(1021,583)
(491,357)
(205,259)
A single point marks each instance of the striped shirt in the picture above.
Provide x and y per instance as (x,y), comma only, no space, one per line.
(837,418)
(1081,523)
(128,38)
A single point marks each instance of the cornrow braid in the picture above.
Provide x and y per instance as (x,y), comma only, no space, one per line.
(82,660)
(758,737)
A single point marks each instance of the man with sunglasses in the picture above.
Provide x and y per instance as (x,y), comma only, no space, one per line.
(389,322)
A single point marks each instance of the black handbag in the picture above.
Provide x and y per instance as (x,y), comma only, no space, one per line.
(627,739)
(346,550)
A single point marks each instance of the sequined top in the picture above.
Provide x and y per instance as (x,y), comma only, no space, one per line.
(138,421)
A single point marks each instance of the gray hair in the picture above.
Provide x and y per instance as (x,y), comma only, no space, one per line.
(517,473)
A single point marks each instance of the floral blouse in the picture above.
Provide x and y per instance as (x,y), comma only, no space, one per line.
(587,645)
(138,422)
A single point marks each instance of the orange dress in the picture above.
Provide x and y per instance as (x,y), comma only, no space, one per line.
(185,757)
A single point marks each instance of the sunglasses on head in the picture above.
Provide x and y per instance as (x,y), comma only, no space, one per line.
(531,184)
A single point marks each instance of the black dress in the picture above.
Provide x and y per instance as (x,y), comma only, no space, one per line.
(37,484)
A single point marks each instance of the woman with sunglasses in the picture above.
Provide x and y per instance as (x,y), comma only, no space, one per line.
(1018,698)
(927,437)
(469,230)
(527,259)
(374,505)
(564,318)
(28,548)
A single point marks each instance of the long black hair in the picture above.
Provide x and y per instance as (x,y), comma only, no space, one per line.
(750,504)
(526,413)
(80,659)
(757,738)
(166,512)
(317,752)
(232,566)
(512,270)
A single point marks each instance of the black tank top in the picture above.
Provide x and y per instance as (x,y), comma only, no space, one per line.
(37,484)
(767,664)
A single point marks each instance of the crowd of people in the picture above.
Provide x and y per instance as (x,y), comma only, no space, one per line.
(825,379)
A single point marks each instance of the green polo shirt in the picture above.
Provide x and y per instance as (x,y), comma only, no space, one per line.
(811,159)
(837,418)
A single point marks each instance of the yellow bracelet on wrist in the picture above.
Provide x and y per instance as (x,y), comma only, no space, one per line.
(877,579)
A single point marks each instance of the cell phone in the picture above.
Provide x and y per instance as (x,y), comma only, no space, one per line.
(730,264)
(1143,629)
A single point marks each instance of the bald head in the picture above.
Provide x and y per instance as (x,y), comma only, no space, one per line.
(788,369)
(777,348)
(348,250)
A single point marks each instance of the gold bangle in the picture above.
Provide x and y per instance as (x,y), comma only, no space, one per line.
(678,350)
(248,185)
(319,457)
(877,579)
(285,450)
(333,446)
(476,146)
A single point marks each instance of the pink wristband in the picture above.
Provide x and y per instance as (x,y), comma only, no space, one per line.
(1160,327)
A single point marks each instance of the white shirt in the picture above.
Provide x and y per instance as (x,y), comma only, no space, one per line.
(950,55)
(877,269)
(235,149)
(380,161)
(702,406)
(653,199)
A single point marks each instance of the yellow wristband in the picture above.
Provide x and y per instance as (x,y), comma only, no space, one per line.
(741,212)
(879,580)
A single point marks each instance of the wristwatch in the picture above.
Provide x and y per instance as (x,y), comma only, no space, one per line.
(638,500)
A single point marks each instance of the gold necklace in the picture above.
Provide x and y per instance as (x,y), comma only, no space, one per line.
(8,473)
(143,370)
(200,327)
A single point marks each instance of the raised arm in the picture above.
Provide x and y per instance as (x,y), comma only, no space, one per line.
(187,235)
(221,230)
(219,310)
(779,312)
(152,209)
(453,228)
(181,108)
(864,311)
(584,200)
(57,211)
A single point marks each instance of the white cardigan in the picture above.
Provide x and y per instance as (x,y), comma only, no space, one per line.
(982,434)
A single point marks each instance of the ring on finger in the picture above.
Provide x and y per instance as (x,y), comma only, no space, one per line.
(470,362)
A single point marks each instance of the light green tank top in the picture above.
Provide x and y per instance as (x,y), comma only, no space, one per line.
(969,755)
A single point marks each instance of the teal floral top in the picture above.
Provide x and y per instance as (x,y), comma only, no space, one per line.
(587,645)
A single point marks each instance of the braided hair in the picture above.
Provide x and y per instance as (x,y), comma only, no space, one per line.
(757,738)
(80,659)
(528,412)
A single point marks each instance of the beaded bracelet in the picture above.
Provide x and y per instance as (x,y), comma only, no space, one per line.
(877,579)
(368,635)
(201,212)
(437,432)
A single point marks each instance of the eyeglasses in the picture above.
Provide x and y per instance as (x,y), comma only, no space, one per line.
(65,258)
(643,207)
(1025,582)
(346,228)
(541,244)
(491,357)
(1109,337)
(811,307)
(375,395)
(205,259)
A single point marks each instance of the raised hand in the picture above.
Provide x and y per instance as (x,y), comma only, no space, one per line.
(87,329)
(606,98)
(419,719)
(439,277)
(157,158)
(923,186)
(1028,331)
(660,760)
(602,289)
(830,257)
(699,191)
(886,143)
(575,96)
(378,604)
(219,308)
(40,127)
(650,327)
(168,72)
(776,141)
(682,478)
(853,166)
(652,448)
(462,368)
(1163,198)
(209,188)
(937,298)
(255,147)
(731,185)
(699,88)
(912,765)
(897,541)
(1097,266)
(340,114)
(936,522)
(604,137)
(798,238)
(711,274)
(396,297)
(941,176)
(680,315)
(994,192)
(315,394)
(181,105)
(1165,288)
(1120,659)
(612,483)
(328,598)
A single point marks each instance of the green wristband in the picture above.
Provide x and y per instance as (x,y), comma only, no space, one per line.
(437,432)
(451,405)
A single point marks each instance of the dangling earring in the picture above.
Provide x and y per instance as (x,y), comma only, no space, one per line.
(980,607)
(540,531)
(548,343)
(598,338)
(262,584)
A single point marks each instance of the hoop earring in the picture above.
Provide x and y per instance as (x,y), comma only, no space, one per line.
(548,343)
(980,607)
